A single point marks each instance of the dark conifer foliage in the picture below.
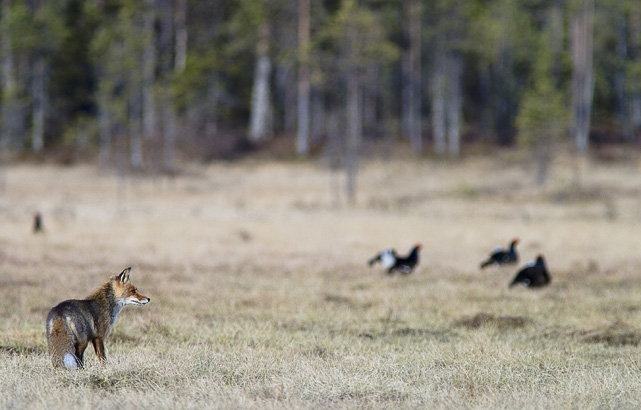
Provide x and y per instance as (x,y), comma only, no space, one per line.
(140,79)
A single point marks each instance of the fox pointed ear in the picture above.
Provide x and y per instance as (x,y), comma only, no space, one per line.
(124,275)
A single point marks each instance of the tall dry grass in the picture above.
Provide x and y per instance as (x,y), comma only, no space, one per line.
(261,298)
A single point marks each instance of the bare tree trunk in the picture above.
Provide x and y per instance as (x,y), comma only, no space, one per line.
(169,115)
(635,109)
(620,80)
(181,35)
(485,86)
(8,73)
(11,127)
(38,101)
(335,130)
(438,103)
(504,108)
(135,124)
(149,128)
(354,123)
(317,123)
(635,53)
(556,32)
(260,123)
(169,133)
(582,75)
(286,76)
(303,126)
(104,122)
(454,103)
(411,68)
(81,135)
(542,163)
(211,121)
(353,135)
(446,102)
(370,90)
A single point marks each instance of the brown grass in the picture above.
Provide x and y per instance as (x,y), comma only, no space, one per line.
(261,297)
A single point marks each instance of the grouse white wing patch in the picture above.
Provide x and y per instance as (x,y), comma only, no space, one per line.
(530,264)
(388,259)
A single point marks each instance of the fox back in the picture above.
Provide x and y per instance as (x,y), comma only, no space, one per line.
(72,324)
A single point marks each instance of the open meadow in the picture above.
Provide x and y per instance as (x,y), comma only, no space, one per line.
(261,296)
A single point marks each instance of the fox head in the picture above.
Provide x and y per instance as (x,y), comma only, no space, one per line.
(125,291)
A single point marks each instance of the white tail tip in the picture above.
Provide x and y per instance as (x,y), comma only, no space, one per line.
(70,362)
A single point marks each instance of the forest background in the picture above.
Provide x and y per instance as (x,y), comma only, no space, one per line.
(138,83)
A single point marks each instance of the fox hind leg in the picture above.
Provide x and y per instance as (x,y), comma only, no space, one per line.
(99,348)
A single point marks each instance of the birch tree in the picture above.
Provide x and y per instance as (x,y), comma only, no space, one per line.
(411,94)
(149,63)
(360,42)
(180,21)
(631,62)
(446,77)
(39,67)
(119,51)
(542,120)
(581,36)
(447,102)
(303,123)
(167,75)
(261,110)
(13,125)
(633,66)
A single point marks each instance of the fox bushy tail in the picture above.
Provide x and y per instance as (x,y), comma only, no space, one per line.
(61,347)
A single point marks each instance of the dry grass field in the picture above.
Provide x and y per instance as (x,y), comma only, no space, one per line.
(261,297)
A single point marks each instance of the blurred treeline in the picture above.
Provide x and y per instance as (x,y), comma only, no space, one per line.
(138,82)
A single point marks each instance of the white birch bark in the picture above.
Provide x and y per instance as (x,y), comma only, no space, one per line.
(411,67)
(454,103)
(635,45)
(354,117)
(438,104)
(8,74)
(260,121)
(169,134)
(149,127)
(303,124)
(168,112)
(104,124)
(582,74)
(10,108)
(135,124)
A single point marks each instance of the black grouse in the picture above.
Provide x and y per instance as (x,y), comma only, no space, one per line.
(502,256)
(395,263)
(533,275)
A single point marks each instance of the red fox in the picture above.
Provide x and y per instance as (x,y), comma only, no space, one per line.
(74,323)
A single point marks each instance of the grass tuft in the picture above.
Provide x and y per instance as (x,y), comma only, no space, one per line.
(500,322)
